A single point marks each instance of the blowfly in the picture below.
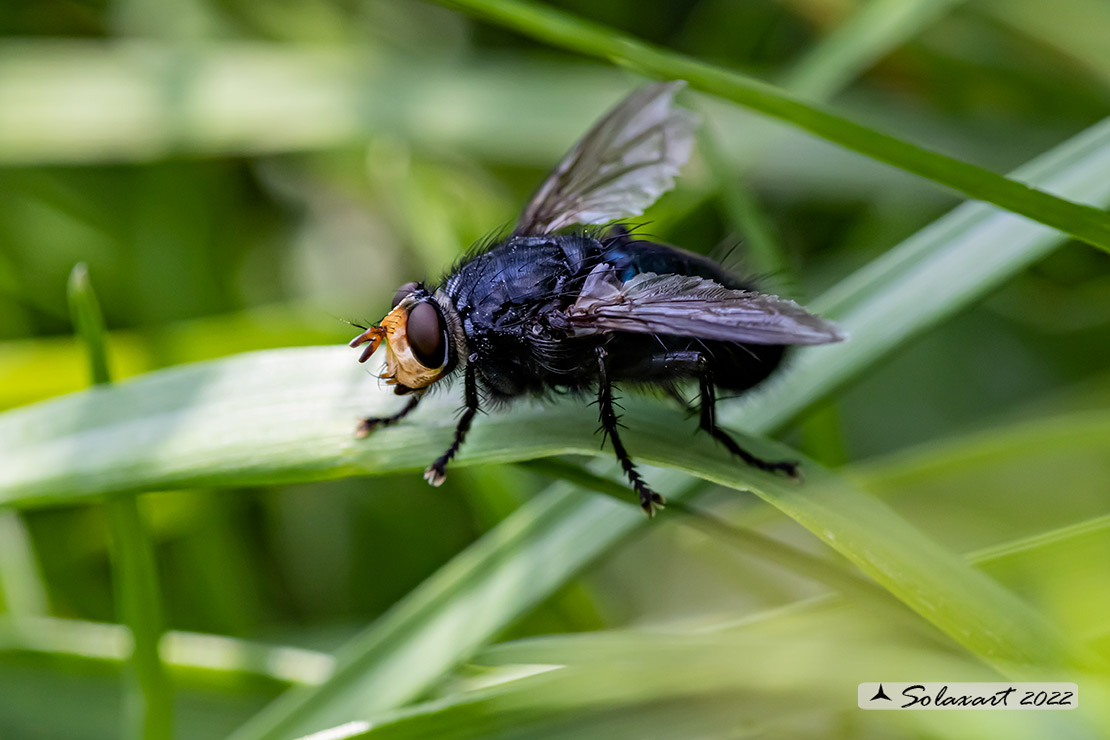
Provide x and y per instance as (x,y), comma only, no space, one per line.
(571,301)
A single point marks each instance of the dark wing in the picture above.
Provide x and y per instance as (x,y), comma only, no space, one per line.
(693,307)
(622,166)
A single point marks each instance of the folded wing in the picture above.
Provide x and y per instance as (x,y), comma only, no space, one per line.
(693,306)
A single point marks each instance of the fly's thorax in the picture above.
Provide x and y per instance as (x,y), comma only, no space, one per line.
(422,336)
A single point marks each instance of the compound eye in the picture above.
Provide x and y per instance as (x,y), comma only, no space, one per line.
(427,335)
(402,293)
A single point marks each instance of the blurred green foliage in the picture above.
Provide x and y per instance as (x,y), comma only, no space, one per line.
(243,175)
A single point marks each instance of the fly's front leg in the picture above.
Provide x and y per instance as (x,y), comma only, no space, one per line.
(437,471)
(371,423)
(649,499)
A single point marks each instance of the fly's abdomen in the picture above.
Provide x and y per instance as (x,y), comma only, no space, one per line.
(738,367)
(647,358)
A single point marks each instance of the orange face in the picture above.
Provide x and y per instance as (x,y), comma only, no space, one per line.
(416,344)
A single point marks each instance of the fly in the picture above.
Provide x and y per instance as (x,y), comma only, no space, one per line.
(581,309)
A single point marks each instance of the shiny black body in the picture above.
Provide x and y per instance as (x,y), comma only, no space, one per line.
(511,301)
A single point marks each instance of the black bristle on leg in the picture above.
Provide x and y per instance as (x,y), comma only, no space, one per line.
(650,501)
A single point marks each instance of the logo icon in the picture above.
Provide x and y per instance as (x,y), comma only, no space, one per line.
(880,694)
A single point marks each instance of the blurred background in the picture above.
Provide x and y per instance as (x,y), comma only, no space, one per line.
(240,174)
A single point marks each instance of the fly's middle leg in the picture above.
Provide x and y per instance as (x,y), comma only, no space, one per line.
(649,499)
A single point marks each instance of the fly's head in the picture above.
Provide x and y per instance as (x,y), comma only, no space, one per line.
(421,336)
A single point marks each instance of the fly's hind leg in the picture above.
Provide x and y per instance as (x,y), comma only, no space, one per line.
(695,363)
(649,499)
(437,471)
(708,415)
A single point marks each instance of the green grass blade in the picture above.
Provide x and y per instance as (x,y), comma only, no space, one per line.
(624,684)
(149,702)
(764,251)
(973,610)
(1052,538)
(746,540)
(138,100)
(34,369)
(561,29)
(1076,28)
(1084,434)
(85,311)
(149,697)
(513,567)
(22,589)
(876,29)
(994,495)
(224,657)
(929,277)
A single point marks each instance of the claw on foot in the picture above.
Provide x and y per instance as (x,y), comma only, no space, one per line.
(435,475)
(365,427)
(792,469)
(653,503)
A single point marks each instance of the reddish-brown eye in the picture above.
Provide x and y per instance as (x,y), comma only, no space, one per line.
(403,291)
(427,335)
